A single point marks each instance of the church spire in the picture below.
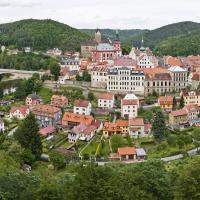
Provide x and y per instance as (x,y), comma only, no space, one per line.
(142,45)
(117,35)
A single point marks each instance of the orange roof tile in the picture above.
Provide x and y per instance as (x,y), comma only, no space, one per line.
(76,118)
(173,61)
(136,122)
(22,109)
(122,122)
(81,103)
(106,96)
(129,102)
(165,100)
(126,151)
(177,113)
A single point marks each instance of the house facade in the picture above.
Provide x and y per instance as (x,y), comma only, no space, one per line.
(19,112)
(165,102)
(32,100)
(99,76)
(191,97)
(106,100)
(137,128)
(179,78)
(129,106)
(82,107)
(59,101)
(47,115)
(125,80)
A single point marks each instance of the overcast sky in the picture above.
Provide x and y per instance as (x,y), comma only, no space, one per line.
(118,14)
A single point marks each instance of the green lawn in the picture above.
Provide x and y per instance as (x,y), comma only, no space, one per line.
(105,148)
(45,94)
(91,148)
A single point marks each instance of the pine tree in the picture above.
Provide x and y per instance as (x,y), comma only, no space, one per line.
(159,126)
(182,102)
(174,103)
(28,136)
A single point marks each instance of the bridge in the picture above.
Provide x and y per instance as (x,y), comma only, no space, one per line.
(20,73)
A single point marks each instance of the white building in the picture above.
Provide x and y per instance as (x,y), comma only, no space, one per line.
(124,80)
(82,107)
(129,106)
(179,77)
(136,128)
(2,127)
(71,64)
(19,112)
(106,100)
(145,61)
(99,76)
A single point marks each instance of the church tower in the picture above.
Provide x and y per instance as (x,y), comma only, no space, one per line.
(117,44)
(98,36)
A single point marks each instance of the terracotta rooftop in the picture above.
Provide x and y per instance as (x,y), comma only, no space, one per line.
(126,151)
(47,130)
(163,100)
(129,102)
(191,107)
(122,122)
(89,129)
(22,109)
(177,113)
(81,103)
(77,118)
(136,122)
(106,96)
(45,110)
(124,62)
(173,61)
(59,97)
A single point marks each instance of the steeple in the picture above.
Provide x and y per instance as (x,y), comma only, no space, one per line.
(98,35)
(142,45)
(117,35)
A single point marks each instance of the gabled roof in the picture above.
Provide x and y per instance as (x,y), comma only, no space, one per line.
(122,123)
(178,113)
(89,129)
(173,61)
(176,69)
(105,47)
(136,122)
(126,102)
(77,118)
(81,103)
(47,130)
(106,96)
(34,97)
(45,109)
(163,100)
(126,151)
(22,109)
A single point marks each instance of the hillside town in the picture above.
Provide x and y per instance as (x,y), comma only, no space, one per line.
(124,101)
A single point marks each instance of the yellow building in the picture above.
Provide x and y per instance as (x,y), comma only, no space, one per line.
(165,102)
(178,118)
(191,97)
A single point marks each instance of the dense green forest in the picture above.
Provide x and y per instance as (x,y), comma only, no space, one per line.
(153,37)
(184,45)
(151,180)
(110,33)
(41,35)
(26,61)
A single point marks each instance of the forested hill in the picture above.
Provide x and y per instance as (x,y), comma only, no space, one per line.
(110,33)
(184,45)
(41,35)
(153,37)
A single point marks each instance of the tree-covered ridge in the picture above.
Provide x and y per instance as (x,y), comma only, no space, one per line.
(26,61)
(153,37)
(41,35)
(184,45)
(110,33)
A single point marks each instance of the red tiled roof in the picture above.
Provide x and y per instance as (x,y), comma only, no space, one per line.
(173,61)
(129,102)
(163,100)
(124,62)
(106,96)
(45,109)
(177,113)
(47,130)
(76,118)
(122,122)
(81,103)
(126,151)
(136,122)
(22,109)
(191,107)
(89,129)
